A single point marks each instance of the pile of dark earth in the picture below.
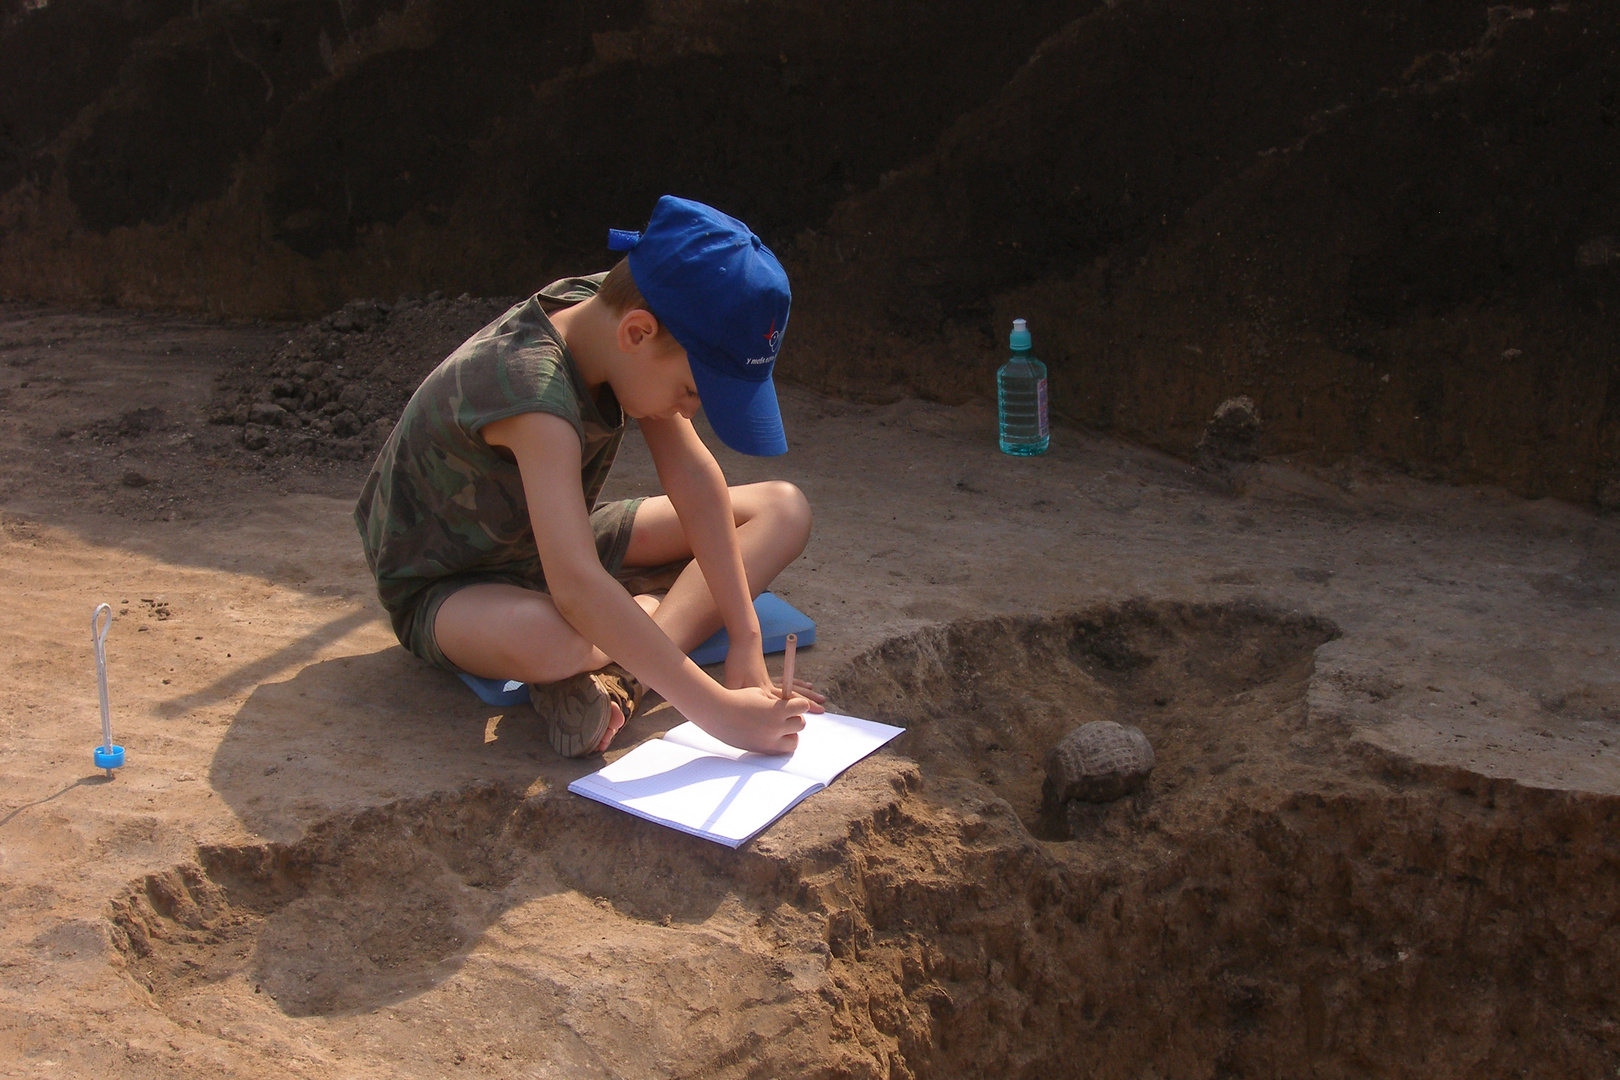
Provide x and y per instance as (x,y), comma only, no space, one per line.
(335,388)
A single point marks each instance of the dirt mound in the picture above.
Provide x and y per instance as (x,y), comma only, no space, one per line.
(363,911)
(1392,227)
(1383,227)
(1275,901)
(285,156)
(338,385)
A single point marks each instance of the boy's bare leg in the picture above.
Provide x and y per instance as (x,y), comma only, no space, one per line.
(508,632)
(773,525)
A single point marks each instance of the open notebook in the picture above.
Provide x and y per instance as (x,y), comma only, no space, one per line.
(691,781)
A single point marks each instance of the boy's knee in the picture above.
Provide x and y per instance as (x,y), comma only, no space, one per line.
(789,509)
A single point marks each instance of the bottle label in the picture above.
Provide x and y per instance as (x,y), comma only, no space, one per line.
(1040,406)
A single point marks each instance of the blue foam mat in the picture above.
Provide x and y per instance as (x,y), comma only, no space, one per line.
(777,619)
(496,691)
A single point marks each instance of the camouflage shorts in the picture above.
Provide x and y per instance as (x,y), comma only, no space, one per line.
(611,523)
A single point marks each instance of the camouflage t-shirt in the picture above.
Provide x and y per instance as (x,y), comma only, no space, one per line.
(442,501)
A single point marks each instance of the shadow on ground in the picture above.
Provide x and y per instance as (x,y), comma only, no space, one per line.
(457,812)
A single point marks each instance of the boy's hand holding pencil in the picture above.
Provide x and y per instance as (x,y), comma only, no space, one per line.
(773,729)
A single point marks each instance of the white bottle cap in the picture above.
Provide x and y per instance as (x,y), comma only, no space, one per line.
(1019,338)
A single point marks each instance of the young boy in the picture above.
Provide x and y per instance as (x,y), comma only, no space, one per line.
(480,520)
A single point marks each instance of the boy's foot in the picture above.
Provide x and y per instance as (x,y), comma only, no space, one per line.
(577,711)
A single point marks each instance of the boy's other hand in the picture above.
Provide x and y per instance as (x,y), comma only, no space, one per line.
(744,671)
(758,719)
(805,689)
(746,667)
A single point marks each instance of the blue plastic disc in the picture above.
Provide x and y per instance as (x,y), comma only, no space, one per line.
(109,757)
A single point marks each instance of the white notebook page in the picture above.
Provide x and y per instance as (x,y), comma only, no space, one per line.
(829,744)
(687,789)
(690,781)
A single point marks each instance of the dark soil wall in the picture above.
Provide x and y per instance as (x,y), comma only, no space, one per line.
(1391,224)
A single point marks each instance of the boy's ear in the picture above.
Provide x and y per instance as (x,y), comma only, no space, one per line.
(636,326)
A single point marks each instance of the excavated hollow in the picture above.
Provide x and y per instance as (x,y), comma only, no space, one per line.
(1279,900)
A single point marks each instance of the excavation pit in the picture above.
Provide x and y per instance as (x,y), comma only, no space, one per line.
(1279,900)
(1219,690)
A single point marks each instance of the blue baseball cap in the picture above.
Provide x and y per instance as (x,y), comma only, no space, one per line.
(721,292)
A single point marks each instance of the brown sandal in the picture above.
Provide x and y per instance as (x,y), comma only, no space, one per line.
(576,711)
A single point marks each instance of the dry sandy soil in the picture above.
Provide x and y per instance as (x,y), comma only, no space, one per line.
(1380,839)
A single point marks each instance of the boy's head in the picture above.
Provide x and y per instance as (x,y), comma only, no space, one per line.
(723,296)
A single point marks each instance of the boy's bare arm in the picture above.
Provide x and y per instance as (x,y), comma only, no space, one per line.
(696,487)
(598,607)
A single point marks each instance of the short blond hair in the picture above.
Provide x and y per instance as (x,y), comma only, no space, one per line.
(619,291)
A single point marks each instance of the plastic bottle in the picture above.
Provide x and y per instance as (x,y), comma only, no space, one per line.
(1021,395)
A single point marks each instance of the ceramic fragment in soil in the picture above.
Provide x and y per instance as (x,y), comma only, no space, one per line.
(1099,761)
